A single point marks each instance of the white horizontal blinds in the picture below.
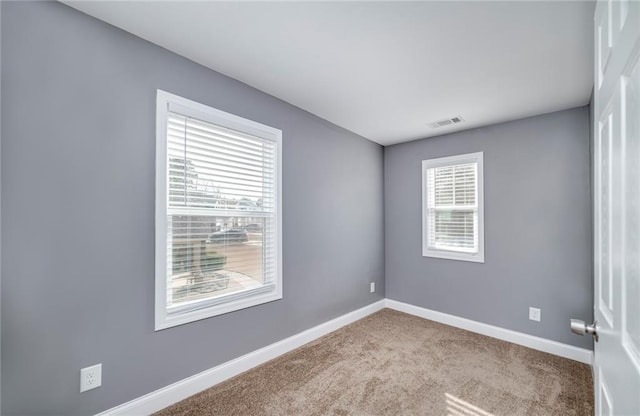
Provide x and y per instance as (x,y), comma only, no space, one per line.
(453,208)
(212,166)
(221,211)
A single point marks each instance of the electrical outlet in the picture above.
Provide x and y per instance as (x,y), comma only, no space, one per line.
(534,314)
(372,287)
(91,377)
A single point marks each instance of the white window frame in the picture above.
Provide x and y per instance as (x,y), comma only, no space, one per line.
(235,301)
(454,254)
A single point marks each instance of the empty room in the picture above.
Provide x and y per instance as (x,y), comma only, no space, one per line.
(320,208)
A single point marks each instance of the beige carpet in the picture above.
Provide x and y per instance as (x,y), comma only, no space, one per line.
(392,363)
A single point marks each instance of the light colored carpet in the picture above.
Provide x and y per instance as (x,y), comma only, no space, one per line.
(391,363)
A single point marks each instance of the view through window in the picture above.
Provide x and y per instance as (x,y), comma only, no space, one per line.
(221,211)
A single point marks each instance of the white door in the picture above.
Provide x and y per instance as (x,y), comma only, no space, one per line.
(616,161)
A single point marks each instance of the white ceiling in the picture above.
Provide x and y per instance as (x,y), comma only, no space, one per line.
(384,70)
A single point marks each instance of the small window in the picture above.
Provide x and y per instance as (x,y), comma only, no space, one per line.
(453,214)
(218,217)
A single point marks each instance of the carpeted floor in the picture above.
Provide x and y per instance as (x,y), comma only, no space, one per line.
(391,363)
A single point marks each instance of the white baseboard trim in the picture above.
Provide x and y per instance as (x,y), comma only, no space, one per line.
(541,344)
(189,386)
(166,396)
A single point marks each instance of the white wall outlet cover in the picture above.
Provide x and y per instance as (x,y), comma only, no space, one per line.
(534,314)
(372,287)
(90,377)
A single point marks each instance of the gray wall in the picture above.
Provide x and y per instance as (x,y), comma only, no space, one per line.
(537,227)
(78,130)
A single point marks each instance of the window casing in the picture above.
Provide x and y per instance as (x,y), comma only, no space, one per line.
(218,212)
(453,208)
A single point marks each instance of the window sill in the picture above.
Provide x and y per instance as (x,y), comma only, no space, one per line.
(202,311)
(453,255)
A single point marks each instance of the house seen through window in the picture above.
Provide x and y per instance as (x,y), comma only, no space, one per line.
(218,212)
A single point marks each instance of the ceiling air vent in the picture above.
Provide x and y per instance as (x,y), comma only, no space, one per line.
(446,122)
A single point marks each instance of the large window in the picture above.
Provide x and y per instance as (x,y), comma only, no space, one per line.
(453,214)
(218,222)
